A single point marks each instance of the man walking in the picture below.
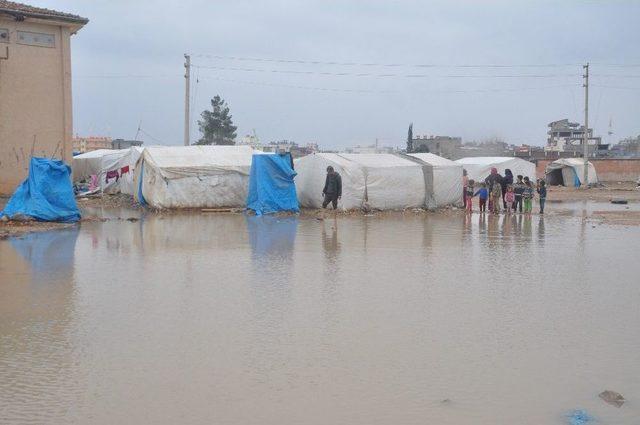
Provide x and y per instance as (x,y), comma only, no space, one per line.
(332,188)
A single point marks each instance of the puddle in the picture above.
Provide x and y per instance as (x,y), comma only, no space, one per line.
(206,318)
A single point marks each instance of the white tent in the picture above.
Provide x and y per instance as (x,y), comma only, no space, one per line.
(381,181)
(447,178)
(479,168)
(86,164)
(569,172)
(117,169)
(193,176)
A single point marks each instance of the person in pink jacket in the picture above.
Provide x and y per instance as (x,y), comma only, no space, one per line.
(509,198)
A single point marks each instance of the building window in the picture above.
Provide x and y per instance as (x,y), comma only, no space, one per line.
(36,39)
(4,35)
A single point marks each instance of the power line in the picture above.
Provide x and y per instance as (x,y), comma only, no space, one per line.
(492,90)
(151,137)
(107,76)
(615,87)
(617,76)
(261,83)
(365,74)
(337,63)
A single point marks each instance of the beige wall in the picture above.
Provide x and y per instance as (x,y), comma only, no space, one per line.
(35,100)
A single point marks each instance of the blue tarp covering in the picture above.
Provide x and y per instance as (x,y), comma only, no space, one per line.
(46,195)
(271,186)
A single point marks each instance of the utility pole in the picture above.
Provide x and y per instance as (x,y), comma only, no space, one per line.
(187,85)
(585,180)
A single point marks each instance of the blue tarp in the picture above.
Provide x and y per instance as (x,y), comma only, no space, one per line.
(46,195)
(271,186)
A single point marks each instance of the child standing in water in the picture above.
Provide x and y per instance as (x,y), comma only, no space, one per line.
(527,196)
(465,184)
(483,195)
(496,198)
(468,196)
(509,198)
(542,191)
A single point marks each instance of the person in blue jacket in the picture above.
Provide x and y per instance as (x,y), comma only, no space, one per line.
(483,195)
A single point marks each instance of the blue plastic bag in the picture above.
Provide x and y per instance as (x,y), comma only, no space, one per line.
(46,195)
(271,186)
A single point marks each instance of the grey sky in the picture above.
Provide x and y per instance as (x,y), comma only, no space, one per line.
(140,44)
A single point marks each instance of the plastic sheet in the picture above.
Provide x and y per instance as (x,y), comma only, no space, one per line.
(271,185)
(46,195)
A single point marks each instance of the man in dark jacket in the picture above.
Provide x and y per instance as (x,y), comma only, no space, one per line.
(506,181)
(332,188)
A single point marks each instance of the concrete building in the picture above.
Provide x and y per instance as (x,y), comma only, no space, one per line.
(35,87)
(124,144)
(370,149)
(296,150)
(444,146)
(629,147)
(91,143)
(566,136)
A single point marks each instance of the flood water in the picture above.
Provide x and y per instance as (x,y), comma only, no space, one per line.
(228,319)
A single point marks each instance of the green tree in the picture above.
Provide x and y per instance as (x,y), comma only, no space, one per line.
(410,139)
(216,125)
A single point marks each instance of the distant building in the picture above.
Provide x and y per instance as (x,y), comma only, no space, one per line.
(92,143)
(629,147)
(444,146)
(35,87)
(250,140)
(566,136)
(124,144)
(292,147)
(370,149)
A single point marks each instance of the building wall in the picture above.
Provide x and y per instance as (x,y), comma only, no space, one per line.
(35,101)
(608,170)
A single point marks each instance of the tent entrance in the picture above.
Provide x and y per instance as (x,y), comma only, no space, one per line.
(555,178)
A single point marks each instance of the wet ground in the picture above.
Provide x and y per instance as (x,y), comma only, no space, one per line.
(402,319)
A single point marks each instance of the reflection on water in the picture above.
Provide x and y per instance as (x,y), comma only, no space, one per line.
(234,319)
(48,252)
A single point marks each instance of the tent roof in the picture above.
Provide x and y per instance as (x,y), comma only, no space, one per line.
(571,162)
(434,159)
(97,153)
(200,156)
(487,160)
(372,160)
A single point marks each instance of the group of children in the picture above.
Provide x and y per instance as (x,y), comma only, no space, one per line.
(515,197)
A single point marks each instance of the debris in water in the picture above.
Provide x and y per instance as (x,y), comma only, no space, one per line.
(579,417)
(132,219)
(612,397)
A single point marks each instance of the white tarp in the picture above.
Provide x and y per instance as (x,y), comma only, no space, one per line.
(117,169)
(194,176)
(479,168)
(569,172)
(86,164)
(380,181)
(447,178)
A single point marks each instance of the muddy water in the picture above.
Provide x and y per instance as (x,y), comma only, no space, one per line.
(210,319)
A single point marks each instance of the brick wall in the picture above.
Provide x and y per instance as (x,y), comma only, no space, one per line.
(607,169)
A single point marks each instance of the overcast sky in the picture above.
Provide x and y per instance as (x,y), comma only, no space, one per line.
(128,67)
